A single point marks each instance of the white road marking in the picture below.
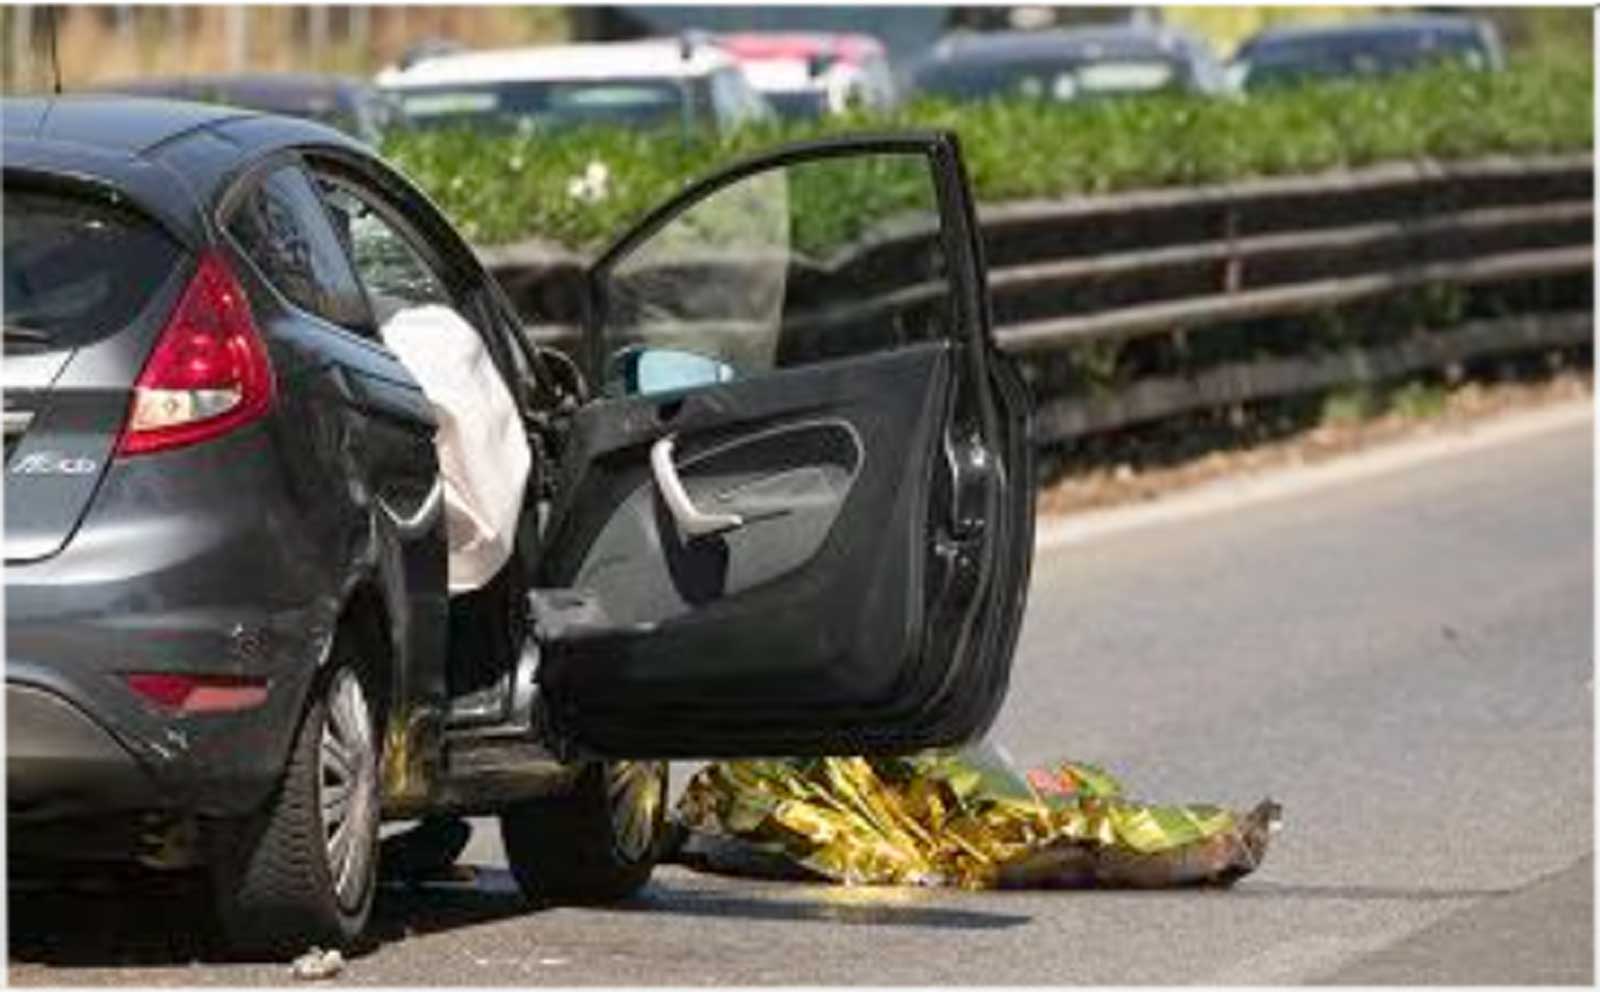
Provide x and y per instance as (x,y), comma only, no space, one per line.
(1295,962)
(1242,491)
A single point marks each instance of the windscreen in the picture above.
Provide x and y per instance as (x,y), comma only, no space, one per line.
(76,270)
(1047,78)
(798,104)
(548,104)
(1371,54)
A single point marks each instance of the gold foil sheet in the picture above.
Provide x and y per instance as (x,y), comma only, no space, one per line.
(958,818)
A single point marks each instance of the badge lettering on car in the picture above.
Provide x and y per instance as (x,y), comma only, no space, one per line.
(52,463)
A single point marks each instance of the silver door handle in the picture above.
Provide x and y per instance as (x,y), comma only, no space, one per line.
(418,522)
(691,522)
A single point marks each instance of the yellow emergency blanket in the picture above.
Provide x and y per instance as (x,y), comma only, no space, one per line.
(961,818)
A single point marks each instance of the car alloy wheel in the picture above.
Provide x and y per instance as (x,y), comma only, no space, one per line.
(635,791)
(347,788)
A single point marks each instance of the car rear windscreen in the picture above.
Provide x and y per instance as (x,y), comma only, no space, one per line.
(1358,54)
(551,104)
(1058,79)
(76,270)
(798,104)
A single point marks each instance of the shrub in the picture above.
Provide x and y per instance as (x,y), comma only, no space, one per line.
(503,188)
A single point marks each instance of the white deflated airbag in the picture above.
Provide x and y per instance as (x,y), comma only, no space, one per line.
(483,451)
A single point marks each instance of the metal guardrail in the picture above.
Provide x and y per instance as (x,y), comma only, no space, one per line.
(1224,307)
(1183,260)
(1147,263)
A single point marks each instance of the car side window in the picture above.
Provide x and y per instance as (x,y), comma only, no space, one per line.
(282,227)
(390,267)
(817,260)
(400,272)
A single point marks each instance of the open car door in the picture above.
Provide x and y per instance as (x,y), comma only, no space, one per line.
(799,519)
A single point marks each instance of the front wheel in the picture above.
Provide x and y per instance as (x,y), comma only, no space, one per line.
(302,871)
(596,844)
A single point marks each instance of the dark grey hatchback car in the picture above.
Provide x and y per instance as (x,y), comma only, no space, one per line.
(780,503)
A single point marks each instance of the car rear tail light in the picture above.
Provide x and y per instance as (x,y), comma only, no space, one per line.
(198,693)
(209,372)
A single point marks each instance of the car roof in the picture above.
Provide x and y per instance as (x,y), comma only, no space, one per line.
(167,155)
(276,89)
(780,61)
(1367,27)
(657,57)
(104,121)
(1118,41)
(801,45)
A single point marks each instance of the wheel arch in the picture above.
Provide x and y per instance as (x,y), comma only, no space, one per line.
(408,753)
(364,626)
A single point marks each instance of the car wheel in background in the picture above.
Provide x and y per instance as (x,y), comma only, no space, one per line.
(598,843)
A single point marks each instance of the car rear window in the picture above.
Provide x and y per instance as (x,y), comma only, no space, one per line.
(553,104)
(1358,54)
(77,270)
(798,104)
(1059,79)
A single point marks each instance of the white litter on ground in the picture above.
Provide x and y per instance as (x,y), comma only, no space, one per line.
(317,964)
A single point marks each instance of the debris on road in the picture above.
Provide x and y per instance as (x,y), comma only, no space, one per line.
(317,964)
(964,818)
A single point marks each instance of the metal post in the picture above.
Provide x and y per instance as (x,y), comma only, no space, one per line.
(175,29)
(317,34)
(21,47)
(360,35)
(402,17)
(238,33)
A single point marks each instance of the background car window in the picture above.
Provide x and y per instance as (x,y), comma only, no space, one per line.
(393,272)
(769,272)
(546,104)
(284,229)
(1292,61)
(1051,78)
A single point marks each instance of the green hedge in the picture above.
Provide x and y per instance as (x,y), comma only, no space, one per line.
(505,188)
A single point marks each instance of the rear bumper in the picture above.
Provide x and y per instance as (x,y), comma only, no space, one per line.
(60,763)
(172,571)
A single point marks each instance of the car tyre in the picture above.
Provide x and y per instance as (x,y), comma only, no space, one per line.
(302,871)
(595,844)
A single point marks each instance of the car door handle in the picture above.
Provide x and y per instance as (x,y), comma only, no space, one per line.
(426,513)
(691,522)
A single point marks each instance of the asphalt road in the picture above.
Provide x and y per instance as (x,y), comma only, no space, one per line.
(1403,660)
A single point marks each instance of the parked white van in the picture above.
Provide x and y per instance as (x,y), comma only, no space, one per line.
(651,83)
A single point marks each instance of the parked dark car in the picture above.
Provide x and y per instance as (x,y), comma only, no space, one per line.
(1382,46)
(779,507)
(1067,64)
(352,105)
